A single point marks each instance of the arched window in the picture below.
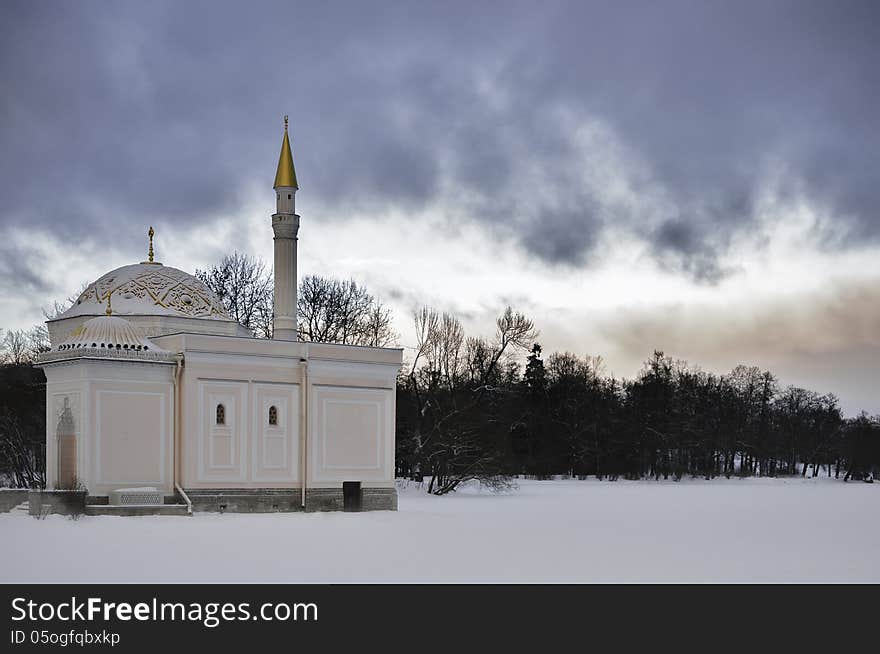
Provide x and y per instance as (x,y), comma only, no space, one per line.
(221,415)
(273,416)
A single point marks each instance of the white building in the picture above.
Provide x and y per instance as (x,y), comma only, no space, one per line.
(151,385)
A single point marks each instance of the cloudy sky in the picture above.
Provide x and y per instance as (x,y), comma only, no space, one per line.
(698,177)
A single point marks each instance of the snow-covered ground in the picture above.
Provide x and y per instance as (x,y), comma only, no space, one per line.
(555,531)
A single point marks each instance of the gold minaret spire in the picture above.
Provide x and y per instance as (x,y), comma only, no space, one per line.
(286,174)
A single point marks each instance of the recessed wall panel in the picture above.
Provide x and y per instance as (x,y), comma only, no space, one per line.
(223,431)
(275,431)
(130,438)
(352,434)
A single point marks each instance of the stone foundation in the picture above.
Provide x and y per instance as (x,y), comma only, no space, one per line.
(12,497)
(324,499)
(64,502)
(269,500)
(231,500)
(244,500)
(379,499)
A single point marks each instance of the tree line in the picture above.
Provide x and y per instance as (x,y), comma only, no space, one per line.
(488,408)
(469,409)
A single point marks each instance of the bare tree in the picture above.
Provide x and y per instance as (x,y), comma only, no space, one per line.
(329,310)
(454,382)
(20,457)
(38,340)
(58,307)
(246,288)
(447,355)
(514,334)
(378,331)
(341,311)
(16,347)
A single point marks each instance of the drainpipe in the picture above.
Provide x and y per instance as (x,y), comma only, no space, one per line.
(304,440)
(189,504)
(178,369)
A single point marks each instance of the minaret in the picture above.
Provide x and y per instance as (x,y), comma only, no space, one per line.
(285,224)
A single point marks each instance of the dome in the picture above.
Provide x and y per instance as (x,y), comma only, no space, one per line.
(107,332)
(106,337)
(149,289)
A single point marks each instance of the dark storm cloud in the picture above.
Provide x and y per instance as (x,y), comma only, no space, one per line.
(20,271)
(116,115)
(544,236)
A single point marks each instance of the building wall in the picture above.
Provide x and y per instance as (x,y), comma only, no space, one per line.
(346,394)
(121,416)
(352,435)
(244,449)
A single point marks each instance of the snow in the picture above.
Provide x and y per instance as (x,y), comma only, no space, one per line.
(138,489)
(751,530)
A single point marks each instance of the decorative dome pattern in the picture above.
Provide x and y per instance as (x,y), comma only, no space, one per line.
(107,332)
(149,289)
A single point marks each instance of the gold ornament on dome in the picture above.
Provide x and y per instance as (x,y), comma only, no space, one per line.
(149,260)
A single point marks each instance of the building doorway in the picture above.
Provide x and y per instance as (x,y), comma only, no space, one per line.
(351,495)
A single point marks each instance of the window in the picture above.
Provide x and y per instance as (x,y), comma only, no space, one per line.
(221,415)
(289,196)
(273,416)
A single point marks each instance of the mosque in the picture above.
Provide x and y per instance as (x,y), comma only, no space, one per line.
(156,397)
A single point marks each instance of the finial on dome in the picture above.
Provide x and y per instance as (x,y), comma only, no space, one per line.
(150,252)
(285,122)
(109,311)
